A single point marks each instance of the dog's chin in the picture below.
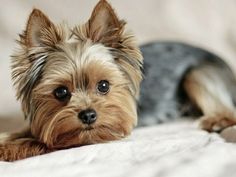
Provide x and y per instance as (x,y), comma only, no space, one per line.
(86,135)
(88,128)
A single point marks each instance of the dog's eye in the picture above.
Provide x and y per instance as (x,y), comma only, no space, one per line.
(62,93)
(103,86)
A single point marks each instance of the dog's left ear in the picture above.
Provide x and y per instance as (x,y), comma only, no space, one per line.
(103,22)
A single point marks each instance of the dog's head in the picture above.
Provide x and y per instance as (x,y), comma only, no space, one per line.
(78,86)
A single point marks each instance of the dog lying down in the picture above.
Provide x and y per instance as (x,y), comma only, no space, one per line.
(81,85)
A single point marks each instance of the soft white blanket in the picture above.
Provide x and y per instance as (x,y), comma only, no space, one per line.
(170,150)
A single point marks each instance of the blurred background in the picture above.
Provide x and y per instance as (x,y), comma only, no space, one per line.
(209,24)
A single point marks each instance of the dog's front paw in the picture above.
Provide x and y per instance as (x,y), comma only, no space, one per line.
(216,123)
(5,154)
(2,154)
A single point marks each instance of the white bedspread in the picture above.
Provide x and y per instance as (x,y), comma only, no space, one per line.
(169,150)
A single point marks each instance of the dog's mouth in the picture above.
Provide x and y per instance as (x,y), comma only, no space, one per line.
(88,128)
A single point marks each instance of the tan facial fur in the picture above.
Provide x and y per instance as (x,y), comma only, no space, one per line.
(51,56)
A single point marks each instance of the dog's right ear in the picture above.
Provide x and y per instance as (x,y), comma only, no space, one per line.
(40,31)
(104,23)
(27,64)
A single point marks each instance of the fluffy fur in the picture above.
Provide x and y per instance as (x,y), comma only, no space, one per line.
(51,56)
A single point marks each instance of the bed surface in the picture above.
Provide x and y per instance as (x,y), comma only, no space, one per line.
(175,149)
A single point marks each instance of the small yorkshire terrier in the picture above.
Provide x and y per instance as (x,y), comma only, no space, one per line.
(81,86)
(76,86)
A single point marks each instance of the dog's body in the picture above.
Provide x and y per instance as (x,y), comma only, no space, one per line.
(176,76)
(81,86)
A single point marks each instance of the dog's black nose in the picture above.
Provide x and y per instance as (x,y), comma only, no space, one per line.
(88,116)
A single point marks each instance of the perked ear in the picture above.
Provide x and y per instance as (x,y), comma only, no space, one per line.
(103,22)
(40,31)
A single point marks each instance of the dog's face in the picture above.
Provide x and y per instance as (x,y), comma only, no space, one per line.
(78,86)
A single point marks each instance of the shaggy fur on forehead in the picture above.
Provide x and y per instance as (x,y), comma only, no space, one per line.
(28,63)
(123,48)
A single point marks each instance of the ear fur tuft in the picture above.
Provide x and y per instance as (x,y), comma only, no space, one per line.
(40,31)
(103,22)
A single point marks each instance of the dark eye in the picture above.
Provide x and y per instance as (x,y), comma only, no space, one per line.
(62,93)
(103,86)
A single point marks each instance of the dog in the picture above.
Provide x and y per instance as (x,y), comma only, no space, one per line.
(81,86)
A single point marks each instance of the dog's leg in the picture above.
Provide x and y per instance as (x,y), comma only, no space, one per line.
(211,88)
(19,146)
